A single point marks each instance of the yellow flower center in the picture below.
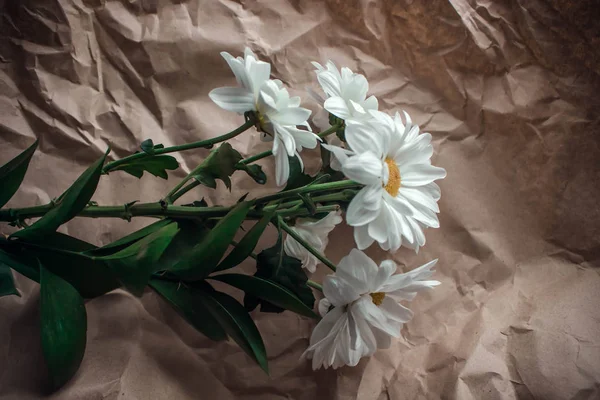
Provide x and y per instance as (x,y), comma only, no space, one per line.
(377,298)
(261,120)
(393,184)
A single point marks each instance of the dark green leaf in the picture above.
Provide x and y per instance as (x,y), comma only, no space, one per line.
(245,247)
(147,146)
(255,171)
(63,327)
(269,291)
(238,324)
(60,240)
(190,233)
(203,258)
(197,203)
(274,265)
(190,306)
(70,203)
(90,277)
(131,238)
(220,164)
(20,261)
(7,282)
(13,172)
(157,165)
(134,264)
(297,177)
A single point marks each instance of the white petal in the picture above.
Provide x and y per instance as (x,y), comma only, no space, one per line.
(362,238)
(290,116)
(283,133)
(258,73)
(365,168)
(329,83)
(416,195)
(362,138)
(421,174)
(234,99)
(363,334)
(340,154)
(282,164)
(324,306)
(338,107)
(395,311)
(304,138)
(376,318)
(371,103)
(358,270)
(357,89)
(378,228)
(237,67)
(338,291)
(386,269)
(365,206)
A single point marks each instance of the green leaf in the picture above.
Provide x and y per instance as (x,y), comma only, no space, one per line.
(134,264)
(157,165)
(267,290)
(255,171)
(13,172)
(238,324)
(245,247)
(63,327)
(21,262)
(191,232)
(7,282)
(204,257)
(190,305)
(149,147)
(70,203)
(131,238)
(60,240)
(90,277)
(220,164)
(274,265)
(297,177)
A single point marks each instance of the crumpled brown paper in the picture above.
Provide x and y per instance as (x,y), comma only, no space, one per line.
(510,92)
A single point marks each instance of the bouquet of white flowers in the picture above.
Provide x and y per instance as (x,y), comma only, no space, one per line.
(376,172)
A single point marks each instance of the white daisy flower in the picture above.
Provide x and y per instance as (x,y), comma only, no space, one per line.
(346,92)
(400,197)
(366,312)
(315,233)
(278,114)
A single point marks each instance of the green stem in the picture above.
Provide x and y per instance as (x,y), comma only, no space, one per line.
(194,145)
(175,196)
(315,285)
(256,157)
(149,210)
(330,130)
(307,246)
(321,187)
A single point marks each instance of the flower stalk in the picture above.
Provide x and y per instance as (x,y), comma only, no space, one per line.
(182,147)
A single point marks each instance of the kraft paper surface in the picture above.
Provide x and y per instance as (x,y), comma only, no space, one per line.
(510,91)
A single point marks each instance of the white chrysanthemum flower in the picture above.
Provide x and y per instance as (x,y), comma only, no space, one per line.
(278,114)
(400,197)
(366,312)
(346,92)
(315,233)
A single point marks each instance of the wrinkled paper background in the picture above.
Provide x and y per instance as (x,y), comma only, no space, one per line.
(510,92)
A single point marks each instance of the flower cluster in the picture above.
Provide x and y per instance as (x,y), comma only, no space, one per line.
(391,159)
